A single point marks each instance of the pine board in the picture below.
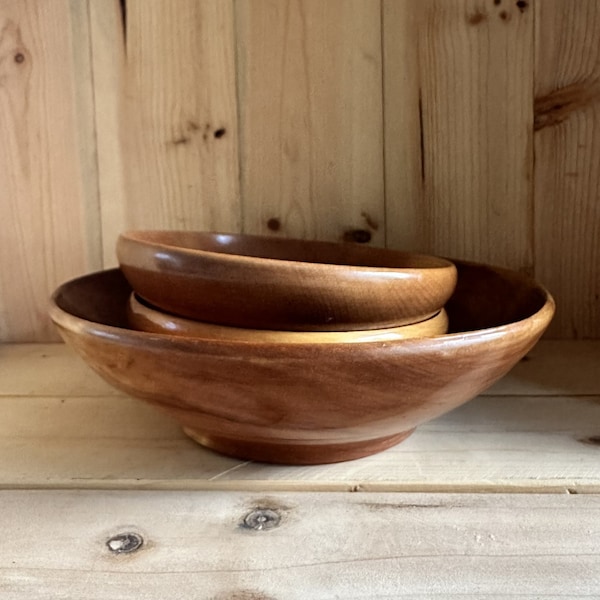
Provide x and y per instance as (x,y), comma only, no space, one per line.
(475,67)
(50,215)
(107,49)
(363,545)
(310,109)
(567,171)
(179,117)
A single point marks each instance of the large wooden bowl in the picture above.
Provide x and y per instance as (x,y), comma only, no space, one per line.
(308,403)
(145,317)
(262,282)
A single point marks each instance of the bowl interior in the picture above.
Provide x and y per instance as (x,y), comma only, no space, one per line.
(286,249)
(484,297)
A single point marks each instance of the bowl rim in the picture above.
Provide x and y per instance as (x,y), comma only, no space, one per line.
(539,319)
(143,307)
(431,263)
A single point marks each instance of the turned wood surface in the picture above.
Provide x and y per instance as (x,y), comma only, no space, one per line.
(465,128)
(308,403)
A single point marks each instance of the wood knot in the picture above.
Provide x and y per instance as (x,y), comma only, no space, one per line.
(261,519)
(592,440)
(358,236)
(125,543)
(555,107)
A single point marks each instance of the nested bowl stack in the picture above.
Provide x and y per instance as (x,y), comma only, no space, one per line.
(313,401)
(261,282)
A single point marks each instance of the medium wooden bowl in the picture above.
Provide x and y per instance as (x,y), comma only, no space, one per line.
(144,317)
(261,282)
(308,403)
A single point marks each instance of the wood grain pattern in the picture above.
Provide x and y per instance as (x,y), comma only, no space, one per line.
(66,428)
(179,124)
(369,546)
(567,172)
(50,225)
(297,403)
(105,112)
(405,220)
(562,368)
(311,118)
(475,70)
(107,40)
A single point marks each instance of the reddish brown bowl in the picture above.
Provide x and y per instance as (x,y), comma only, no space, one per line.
(145,317)
(262,282)
(307,403)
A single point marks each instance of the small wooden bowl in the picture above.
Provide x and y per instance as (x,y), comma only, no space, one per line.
(261,282)
(307,403)
(144,317)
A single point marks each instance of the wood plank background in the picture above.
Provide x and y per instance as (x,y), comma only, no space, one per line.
(466,128)
(206,545)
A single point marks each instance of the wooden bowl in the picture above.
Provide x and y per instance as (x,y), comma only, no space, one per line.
(144,317)
(308,403)
(261,282)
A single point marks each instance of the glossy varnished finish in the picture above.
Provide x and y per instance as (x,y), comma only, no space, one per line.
(143,317)
(265,282)
(308,403)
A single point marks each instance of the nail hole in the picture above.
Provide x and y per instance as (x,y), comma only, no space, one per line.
(219,133)
(125,543)
(19,57)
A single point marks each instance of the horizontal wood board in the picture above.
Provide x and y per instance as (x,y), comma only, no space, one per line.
(246,546)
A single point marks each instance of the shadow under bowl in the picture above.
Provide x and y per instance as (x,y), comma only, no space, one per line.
(308,403)
(263,282)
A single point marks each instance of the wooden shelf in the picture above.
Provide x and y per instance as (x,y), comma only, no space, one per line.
(434,516)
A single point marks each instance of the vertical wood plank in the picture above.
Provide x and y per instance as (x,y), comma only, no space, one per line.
(567,165)
(310,94)
(50,223)
(179,122)
(108,61)
(406,222)
(475,79)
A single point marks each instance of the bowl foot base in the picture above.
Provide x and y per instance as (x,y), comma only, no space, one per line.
(289,453)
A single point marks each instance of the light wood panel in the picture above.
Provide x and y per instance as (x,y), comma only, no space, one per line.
(179,120)
(493,444)
(107,48)
(567,152)
(406,220)
(61,427)
(310,99)
(475,67)
(50,225)
(203,545)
